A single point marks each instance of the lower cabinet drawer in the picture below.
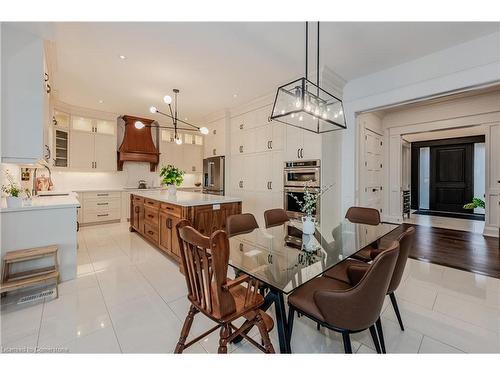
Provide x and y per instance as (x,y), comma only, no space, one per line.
(103,204)
(151,231)
(171,210)
(93,216)
(151,216)
(101,194)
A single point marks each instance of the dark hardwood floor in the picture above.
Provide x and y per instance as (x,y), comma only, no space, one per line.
(453,248)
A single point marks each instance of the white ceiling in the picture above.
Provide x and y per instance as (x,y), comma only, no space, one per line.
(209,62)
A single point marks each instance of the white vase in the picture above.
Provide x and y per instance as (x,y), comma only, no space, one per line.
(308,224)
(308,243)
(14,202)
(172,189)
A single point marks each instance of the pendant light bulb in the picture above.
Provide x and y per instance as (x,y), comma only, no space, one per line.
(152,109)
(204,130)
(298,103)
(178,140)
(139,125)
(167,99)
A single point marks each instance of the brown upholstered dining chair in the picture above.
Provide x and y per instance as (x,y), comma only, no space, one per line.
(347,307)
(363,215)
(240,224)
(341,273)
(275,217)
(205,263)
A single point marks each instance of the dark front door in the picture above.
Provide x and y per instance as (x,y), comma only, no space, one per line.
(451,177)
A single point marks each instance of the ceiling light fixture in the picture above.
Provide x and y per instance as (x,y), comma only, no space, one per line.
(305,105)
(101,101)
(175,119)
(122,57)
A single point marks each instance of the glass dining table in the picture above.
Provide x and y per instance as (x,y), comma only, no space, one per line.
(283,258)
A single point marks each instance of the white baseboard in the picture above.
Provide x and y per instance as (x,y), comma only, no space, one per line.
(490,231)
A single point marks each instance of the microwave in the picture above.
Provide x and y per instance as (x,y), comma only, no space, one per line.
(302,173)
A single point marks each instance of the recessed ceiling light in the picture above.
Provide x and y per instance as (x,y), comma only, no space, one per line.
(123,57)
(185,118)
(101,101)
(235,95)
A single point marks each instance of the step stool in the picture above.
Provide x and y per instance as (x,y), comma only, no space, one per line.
(18,280)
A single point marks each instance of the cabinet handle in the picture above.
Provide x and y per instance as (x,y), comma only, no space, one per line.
(242,126)
(102,204)
(268,146)
(241,246)
(169,208)
(271,145)
(48,89)
(102,194)
(96,165)
(151,232)
(102,215)
(151,216)
(270,185)
(302,153)
(214,151)
(298,153)
(193,168)
(136,209)
(241,149)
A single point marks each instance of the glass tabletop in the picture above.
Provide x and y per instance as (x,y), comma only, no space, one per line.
(285,258)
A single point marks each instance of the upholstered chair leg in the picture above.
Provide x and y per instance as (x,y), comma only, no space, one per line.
(225,332)
(347,342)
(373,332)
(185,330)
(396,310)
(380,333)
(291,315)
(266,341)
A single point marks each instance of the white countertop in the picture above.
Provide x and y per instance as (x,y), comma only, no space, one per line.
(121,189)
(185,198)
(44,203)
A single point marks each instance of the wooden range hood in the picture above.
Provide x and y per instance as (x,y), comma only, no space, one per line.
(137,144)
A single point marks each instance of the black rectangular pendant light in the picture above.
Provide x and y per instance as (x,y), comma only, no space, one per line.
(304,104)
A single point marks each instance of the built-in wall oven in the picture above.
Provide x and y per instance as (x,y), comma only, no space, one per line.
(298,175)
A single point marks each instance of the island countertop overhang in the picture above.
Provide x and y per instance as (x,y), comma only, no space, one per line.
(186,199)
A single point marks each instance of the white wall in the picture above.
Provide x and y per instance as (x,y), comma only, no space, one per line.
(476,62)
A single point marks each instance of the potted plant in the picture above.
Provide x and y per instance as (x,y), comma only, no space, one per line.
(476,203)
(172,177)
(12,190)
(308,207)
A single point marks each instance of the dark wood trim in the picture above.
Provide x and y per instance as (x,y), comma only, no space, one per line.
(450,141)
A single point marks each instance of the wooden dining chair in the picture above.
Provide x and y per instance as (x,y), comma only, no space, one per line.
(240,224)
(341,273)
(347,307)
(205,263)
(275,217)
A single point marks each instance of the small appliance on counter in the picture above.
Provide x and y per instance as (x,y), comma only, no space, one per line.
(213,175)
(142,184)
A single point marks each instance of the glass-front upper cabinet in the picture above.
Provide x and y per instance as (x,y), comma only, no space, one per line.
(193,139)
(167,136)
(60,119)
(83,124)
(105,127)
(61,148)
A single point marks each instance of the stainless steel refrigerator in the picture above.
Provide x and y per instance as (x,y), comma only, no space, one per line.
(213,175)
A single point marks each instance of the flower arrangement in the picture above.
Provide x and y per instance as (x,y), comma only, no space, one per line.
(308,205)
(172,175)
(12,189)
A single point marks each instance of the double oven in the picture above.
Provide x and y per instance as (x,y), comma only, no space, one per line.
(297,175)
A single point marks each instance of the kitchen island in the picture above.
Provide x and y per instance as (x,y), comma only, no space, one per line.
(154,214)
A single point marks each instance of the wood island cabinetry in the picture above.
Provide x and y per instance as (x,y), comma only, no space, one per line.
(156,220)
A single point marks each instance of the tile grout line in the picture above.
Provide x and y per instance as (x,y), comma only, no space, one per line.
(40,325)
(420,345)
(105,305)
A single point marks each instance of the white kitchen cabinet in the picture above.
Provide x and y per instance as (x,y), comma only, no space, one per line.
(105,152)
(125,206)
(192,158)
(302,144)
(215,140)
(92,144)
(23,100)
(101,206)
(81,150)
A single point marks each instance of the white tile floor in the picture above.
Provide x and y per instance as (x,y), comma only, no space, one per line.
(474,226)
(129,298)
